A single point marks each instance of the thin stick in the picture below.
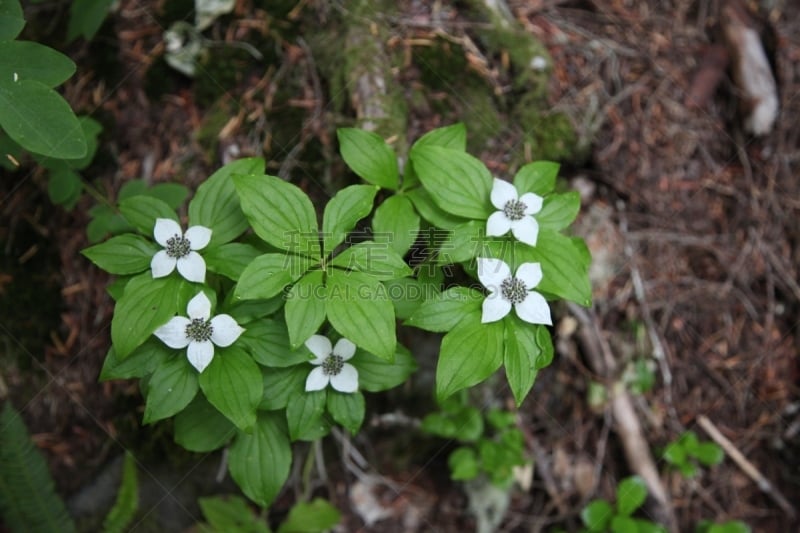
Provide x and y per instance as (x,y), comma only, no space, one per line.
(746,466)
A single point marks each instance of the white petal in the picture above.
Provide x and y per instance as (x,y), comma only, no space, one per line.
(166,228)
(344,349)
(225,330)
(534,309)
(173,333)
(533,203)
(198,237)
(199,306)
(346,380)
(495,307)
(525,230)
(492,272)
(162,264)
(502,192)
(497,224)
(320,346)
(192,267)
(316,380)
(530,274)
(200,354)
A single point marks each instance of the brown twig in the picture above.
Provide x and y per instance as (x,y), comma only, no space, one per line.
(747,467)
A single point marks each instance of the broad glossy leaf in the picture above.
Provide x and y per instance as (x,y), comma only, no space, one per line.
(521,356)
(29,60)
(11,19)
(305,308)
(396,223)
(124,254)
(457,182)
(310,517)
(141,212)
(538,177)
(216,204)
(350,205)
(559,211)
(230,259)
(232,383)
(347,409)
(280,213)
(470,353)
(304,414)
(144,360)
(453,137)
(369,156)
(170,389)
(376,374)
(268,274)
(431,212)
(201,427)
(260,461)
(464,242)
(281,384)
(268,343)
(564,268)
(231,514)
(86,17)
(40,120)
(447,309)
(407,294)
(360,310)
(377,259)
(64,187)
(146,305)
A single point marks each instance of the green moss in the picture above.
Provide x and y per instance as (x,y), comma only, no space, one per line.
(442,64)
(551,137)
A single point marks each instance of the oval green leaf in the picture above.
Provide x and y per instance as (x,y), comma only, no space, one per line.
(232,384)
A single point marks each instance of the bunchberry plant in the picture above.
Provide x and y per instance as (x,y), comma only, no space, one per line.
(687,451)
(258,326)
(601,516)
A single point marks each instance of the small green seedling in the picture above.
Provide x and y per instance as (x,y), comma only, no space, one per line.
(732,526)
(688,450)
(601,516)
(232,514)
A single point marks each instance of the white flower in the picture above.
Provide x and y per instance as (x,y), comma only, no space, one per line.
(515,213)
(199,333)
(180,250)
(506,291)
(331,366)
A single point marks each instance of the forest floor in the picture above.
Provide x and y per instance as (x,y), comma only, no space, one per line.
(694,227)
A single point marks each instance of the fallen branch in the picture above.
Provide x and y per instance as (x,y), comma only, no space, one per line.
(747,467)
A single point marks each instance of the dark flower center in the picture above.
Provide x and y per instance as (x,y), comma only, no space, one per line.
(513,290)
(178,246)
(514,209)
(199,330)
(332,365)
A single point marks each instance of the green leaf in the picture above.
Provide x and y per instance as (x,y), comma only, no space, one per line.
(28,60)
(464,242)
(127,502)
(260,461)
(315,516)
(64,187)
(468,424)
(597,515)
(230,259)
(268,274)
(141,212)
(521,355)
(304,414)
(280,213)
(396,223)
(453,137)
(708,453)
(268,343)
(374,258)
(457,182)
(201,427)
(91,130)
(732,526)
(216,204)
(170,389)
(11,19)
(124,254)
(431,212)
(470,353)
(447,309)
(146,305)
(281,384)
(86,17)
(407,295)
(439,424)
(143,361)
(350,205)
(564,270)
(369,156)
(172,194)
(500,419)
(305,308)
(360,310)
(463,464)
(376,374)
(538,177)
(40,120)
(631,494)
(674,454)
(624,524)
(231,514)
(232,383)
(559,211)
(347,409)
